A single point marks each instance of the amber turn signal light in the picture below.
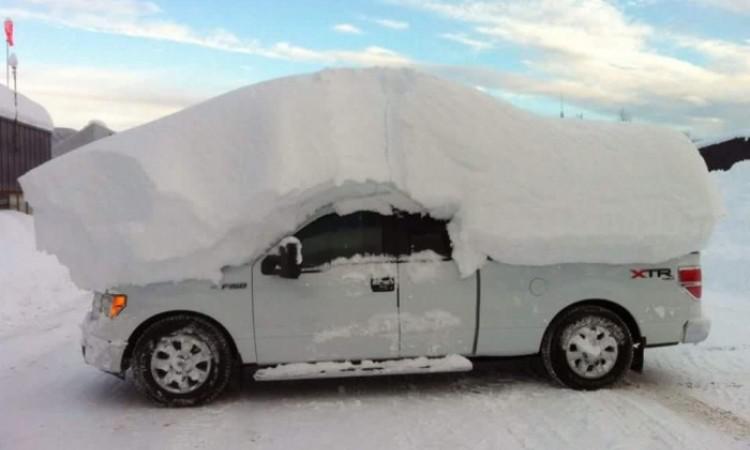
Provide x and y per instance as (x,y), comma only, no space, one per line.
(119,302)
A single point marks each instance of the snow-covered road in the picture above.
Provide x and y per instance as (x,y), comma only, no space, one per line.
(688,397)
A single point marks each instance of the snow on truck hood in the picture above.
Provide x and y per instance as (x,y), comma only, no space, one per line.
(218,183)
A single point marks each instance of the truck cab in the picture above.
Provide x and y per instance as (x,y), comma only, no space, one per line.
(366,293)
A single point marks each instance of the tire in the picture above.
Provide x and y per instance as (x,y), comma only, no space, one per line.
(182,360)
(587,348)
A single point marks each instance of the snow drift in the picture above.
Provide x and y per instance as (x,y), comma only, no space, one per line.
(218,183)
(727,259)
(34,284)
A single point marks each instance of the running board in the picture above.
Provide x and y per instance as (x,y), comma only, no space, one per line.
(299,371)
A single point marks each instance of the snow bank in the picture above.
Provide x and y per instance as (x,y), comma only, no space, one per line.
(29,112)
(726,261)
(218,183)
(32,284)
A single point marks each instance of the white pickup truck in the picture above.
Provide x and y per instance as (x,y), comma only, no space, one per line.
(369,294)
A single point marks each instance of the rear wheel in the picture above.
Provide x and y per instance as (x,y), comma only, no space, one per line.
(182,360)
(587,347)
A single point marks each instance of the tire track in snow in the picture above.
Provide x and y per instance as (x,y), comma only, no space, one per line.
(684,404)
(650,429)
(715,375)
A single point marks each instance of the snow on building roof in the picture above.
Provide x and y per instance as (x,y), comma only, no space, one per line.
(218,183)
(29,112)
(708,142)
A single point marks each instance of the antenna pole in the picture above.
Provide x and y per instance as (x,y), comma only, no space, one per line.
(562,107)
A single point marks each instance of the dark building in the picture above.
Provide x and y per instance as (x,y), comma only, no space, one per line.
(25,142)
(722,154)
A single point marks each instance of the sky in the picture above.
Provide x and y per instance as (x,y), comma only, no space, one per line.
(679,63)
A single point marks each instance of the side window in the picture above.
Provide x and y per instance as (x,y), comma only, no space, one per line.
(417,233)
(333,236)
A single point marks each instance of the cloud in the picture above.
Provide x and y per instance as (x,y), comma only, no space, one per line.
(728,56)
(390,23)
(594,55)
(736,6)
(74,95)
(141,19)
(474,44)
(372,55)
(346,28)
(107,7)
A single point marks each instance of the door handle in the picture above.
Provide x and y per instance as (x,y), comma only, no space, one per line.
(385,284)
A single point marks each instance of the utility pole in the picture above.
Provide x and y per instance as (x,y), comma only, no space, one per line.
(12,62)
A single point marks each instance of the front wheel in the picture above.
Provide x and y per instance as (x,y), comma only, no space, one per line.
(182,360)
(588,347)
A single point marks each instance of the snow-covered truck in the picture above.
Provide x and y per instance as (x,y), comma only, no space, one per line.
(376,221)
(369,294)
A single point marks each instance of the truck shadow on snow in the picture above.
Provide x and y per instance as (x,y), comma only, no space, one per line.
(493,376)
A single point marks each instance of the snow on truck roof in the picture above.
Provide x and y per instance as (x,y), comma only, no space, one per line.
(29,112)
(218,183)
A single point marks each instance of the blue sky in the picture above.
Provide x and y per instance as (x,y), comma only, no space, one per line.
(682,63)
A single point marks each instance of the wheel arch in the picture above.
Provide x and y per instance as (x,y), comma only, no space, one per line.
(128,354)
(616,308)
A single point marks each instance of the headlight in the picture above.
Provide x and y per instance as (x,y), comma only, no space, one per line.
(96,305)
(111,305)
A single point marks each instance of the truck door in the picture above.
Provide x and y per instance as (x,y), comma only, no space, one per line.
(342,306)
(437,308)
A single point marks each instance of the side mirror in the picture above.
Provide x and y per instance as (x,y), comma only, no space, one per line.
(287,263)
(269,264)
(290,260)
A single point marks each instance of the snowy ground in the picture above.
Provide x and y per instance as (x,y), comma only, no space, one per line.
(688,397)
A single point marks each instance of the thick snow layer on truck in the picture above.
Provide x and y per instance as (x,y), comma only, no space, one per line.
(218,183)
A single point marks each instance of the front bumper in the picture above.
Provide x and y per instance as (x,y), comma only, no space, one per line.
(696,330)
(104,354)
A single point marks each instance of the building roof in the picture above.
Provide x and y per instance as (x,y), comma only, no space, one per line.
(29,112)
(59,134)
(94,131)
